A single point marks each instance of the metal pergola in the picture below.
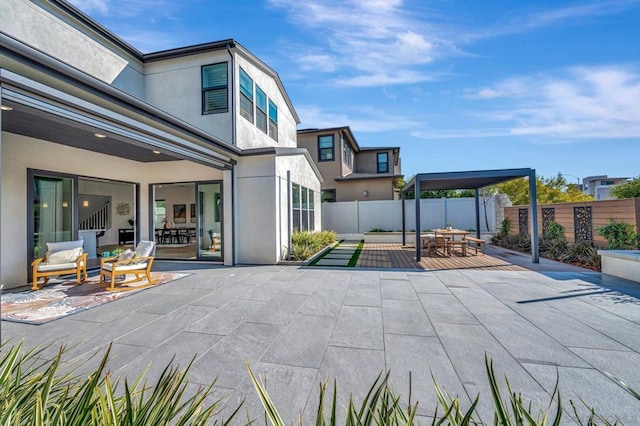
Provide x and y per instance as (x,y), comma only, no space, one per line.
(470,180)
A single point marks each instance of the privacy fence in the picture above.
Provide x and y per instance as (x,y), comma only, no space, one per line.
(581,221)
(356,217)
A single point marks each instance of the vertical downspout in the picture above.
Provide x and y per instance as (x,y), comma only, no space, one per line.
(289,214)
(232,110)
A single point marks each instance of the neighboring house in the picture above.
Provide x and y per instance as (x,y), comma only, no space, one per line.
(600,186)
(102,142)
(351,172)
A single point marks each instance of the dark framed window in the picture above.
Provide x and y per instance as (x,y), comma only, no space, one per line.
(261,109)
(328,195)
(305,209)
(347,154)
(302,209)
(215,88)
(295,195)
(326,148)
(312,216)
(246,96)
(273,120)
(383,162)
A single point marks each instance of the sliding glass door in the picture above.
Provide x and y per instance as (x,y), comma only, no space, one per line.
(210,224)
(53,217)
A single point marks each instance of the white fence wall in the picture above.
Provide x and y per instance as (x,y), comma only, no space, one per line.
(356,217)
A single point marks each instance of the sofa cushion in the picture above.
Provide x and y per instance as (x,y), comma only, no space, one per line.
(64,245)
(43,267)
(121,268)
(63,256)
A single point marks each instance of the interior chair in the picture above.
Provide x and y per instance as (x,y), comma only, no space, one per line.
(137,263)
(62,258)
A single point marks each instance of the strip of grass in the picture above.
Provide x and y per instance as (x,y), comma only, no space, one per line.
(319,258)
(354,259)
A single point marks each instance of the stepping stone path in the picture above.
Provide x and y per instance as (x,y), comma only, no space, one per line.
(340,255)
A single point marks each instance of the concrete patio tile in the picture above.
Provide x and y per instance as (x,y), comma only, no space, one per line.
(304,287)
(466,346)
(332,262)
(224,320)
(629,340)
(526,342)
(265,291)
(345,365)
(405,317)
(288,387)
(478,301)
(390,274)
(325,301)
(226,359)
(603,395)
(421,356)
(621,364)
(428,283)
(358,327)
(279,310)
(363,295)
(178,351)
(454,279)
(223,296)
(153,334)
(302,342)
(366,277)
(446,309)
(597,318)
(397,290)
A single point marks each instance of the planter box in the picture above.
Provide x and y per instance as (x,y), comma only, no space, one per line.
(621,263)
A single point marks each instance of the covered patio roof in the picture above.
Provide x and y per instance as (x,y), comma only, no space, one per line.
(470,180)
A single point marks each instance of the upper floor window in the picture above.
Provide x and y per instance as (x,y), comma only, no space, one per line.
(246,96)
(607,182)
(261,109)
(273,121)
(383,162)
(347,154)
(214,88)
(325,148)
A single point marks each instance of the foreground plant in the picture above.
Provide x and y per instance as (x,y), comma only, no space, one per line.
(34,392)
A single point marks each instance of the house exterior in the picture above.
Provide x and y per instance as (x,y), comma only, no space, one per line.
(351,172)
(600,186)
(200,137)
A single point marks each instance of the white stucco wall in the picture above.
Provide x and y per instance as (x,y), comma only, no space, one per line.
(256,210)
(20,153)
(175,86)
(34,23)
(301,174)
(250,136)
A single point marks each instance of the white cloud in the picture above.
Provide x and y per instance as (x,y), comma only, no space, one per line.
(365,120)
(576,103)
(375,40)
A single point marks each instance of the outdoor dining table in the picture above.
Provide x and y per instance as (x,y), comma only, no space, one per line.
(451,233)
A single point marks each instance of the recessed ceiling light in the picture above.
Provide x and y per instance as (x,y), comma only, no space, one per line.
(6,108)
(99,135)
(156,152)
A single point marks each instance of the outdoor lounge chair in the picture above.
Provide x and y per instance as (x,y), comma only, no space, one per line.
(63,258)
(136,263)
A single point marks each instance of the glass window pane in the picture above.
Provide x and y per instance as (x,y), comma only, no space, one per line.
(215,99)
(305,199)
(296,219)
(214,75)
(273,112)
(52,212)
(312,223)
(295,192)
(261,99)
(311,199)
(246,84)
(326,141)
(305,221)
(261,121)
(246,107)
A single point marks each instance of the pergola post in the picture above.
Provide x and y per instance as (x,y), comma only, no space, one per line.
(477,194)
(417,200)
(404,225)
(533,196)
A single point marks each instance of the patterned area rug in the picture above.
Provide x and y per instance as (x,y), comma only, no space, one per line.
(66,298)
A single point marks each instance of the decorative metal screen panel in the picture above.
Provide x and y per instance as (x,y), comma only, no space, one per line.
(523,221)
(548,217)
(583,224)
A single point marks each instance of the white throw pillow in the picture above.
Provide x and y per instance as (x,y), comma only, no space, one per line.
(127,255)
(64,256)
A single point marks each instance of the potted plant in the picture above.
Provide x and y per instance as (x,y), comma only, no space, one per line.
(448,226)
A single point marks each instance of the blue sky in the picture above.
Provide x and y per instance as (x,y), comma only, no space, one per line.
(458,85)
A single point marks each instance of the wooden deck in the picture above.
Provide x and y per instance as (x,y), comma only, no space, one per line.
(394,255)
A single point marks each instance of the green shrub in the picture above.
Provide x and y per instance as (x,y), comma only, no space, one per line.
(37,392)
(620,235)
(505,227)
(380,230)
(555,231)
(583,254)
(306,244)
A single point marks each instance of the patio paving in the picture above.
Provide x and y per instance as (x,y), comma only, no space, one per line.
(302,325)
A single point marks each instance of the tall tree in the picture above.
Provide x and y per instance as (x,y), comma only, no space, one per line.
(550,190)
(485,195)
(629,189)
